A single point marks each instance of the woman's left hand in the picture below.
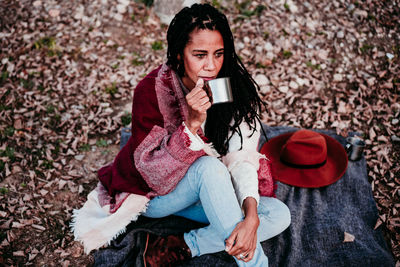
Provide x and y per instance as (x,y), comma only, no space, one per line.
(243,240)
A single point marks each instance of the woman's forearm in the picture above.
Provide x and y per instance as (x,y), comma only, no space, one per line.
(250,209)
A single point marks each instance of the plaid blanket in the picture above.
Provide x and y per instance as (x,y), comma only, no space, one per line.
(316,237)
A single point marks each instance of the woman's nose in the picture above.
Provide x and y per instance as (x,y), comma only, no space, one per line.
(210,64)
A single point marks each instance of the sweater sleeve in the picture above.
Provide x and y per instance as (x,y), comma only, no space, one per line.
(243,162)
(162,154)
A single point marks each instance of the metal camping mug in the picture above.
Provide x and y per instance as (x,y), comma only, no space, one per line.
(219,90)
(355,148)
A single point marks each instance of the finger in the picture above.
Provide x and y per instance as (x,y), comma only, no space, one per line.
(198,101)
(237,249)
(251,251)
(197,90)
(201,106)
(250,255)
(230,241)
(200,83)
(242,256)
(195,96)
(203,100)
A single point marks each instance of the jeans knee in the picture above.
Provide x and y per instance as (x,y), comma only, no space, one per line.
(284,215)
(276,209)
(210,168)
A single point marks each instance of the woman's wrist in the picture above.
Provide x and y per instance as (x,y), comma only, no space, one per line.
(192,127)
(250,210)
(252,218)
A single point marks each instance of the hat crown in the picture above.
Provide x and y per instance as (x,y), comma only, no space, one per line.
(305,148)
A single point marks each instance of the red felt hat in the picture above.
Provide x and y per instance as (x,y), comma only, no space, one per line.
(306,158)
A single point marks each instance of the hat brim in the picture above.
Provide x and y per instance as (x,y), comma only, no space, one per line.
(333,169)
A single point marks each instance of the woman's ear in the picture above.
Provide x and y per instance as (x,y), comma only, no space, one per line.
(179,57)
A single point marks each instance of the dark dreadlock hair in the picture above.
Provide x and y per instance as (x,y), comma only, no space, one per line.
(247,103)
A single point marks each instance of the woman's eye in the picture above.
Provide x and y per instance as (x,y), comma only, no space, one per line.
(220,54)
(200,55)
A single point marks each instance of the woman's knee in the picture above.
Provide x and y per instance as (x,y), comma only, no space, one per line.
(208,171)
(285,215)
(210,167)
(276,209)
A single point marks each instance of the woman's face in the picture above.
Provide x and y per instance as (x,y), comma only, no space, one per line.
(203,56)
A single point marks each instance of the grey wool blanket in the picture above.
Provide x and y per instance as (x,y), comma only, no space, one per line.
(320,219)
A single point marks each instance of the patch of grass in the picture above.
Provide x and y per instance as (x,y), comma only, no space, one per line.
(112,89)
(53,52)
(9,131)
(266,35)
(27,84)
(259,9)
(38,173)
(314,67)
(365,48)
(242,5)
(50,109)
(3,190)
(101,143)
(57,147)
(9,153)
(247,13)
(54,121)
(147,3)
(157,45)
(4,107)
(3,77)
(216,4)
(23,184)
(40,88)
(105,152)
(371,17)
(133,17)
(244,10)
(115,66)
(137,62)
(287,54)
(286,6)
(84,147)
(47,41)
(47,164)
(126,118)
(260,65)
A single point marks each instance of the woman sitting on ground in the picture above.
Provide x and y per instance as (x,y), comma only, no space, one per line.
(190,158)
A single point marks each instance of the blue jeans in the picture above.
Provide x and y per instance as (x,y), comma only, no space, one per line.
(206,195)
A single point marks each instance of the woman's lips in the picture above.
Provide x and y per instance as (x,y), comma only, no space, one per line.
(207,78)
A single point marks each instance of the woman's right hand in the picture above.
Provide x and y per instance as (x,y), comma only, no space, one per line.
(198,103)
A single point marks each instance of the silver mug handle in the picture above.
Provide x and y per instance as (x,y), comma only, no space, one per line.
(348,148)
